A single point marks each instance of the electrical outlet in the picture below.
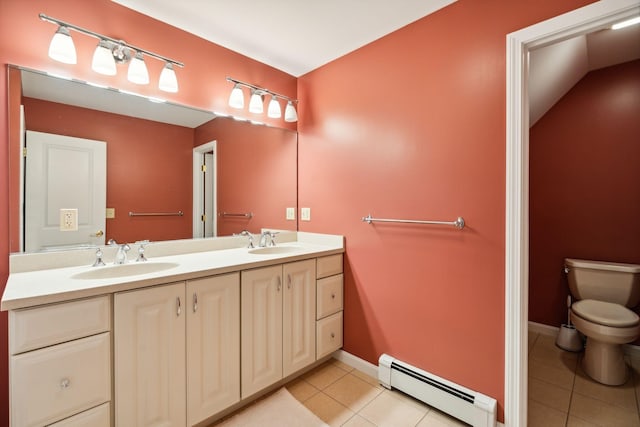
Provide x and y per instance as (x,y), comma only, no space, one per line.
(68,219)
(291,214)
(305,214)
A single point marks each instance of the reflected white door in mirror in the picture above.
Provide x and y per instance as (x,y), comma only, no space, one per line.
(65,192)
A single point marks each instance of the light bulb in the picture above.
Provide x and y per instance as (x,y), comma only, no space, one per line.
(236,99)
(103,61)
(255,103)
(168,80)
(137,72)
(290,114)
(62,48)
(274,110)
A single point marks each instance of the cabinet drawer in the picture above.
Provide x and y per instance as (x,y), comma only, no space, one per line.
(329,265)
(329,335)
(100,416)
(329,295)
(47,325)
(50,384)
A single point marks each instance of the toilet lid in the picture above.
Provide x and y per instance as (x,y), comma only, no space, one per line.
(605,313)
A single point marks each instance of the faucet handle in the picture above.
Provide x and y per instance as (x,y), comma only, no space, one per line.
(246,233)
(141,257)
(272,235)
(99,262)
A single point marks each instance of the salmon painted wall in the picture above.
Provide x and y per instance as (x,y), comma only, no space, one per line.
(256,170)
(413,126)
(24,40)
(149,167)
(584,175)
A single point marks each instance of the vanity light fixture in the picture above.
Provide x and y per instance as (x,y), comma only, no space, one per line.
(256,102)
(274,110)
(62,48)
(110,52)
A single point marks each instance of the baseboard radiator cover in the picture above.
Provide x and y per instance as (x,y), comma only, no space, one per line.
(467,405)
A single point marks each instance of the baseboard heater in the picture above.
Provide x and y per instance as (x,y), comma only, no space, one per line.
(459,402)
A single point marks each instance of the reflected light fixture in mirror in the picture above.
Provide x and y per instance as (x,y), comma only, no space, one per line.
(62,48)
(110,52)
(256,103)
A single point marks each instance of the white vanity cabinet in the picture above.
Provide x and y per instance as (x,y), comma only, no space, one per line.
(60,363)
(329,305)
(278,323)
(174,344)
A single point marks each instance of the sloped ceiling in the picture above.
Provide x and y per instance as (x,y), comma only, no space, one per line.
(555,69)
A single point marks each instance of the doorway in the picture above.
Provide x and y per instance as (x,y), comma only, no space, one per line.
(578,22)
(204,191)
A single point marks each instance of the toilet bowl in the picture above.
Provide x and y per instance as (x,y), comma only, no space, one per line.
(607,326)
(605,291)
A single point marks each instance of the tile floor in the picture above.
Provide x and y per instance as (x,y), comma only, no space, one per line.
(561,394)
(343,396)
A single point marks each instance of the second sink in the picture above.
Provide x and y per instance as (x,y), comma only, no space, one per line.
(272,250)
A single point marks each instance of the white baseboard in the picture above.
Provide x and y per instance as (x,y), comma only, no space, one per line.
(357,363)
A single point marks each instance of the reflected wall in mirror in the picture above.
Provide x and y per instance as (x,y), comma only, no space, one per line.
(151,161)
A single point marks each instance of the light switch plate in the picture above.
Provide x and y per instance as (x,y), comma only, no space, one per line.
(291,214)
(305,214)
(110,213)
(68,219)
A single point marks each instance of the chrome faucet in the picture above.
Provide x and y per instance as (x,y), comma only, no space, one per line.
(141,256)
(121,255)
(246,233)
(267,238)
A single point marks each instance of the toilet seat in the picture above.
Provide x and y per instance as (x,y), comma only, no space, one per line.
(605,313)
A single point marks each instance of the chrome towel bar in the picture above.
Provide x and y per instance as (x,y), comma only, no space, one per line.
(179,213)
(242,215)
(458,223)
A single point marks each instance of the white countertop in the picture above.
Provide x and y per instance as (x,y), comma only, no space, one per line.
(50,285)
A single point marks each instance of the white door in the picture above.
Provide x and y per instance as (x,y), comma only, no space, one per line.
(299,316)
(63,172)
(149,357)
(204,190)
(261,328)
(213,345)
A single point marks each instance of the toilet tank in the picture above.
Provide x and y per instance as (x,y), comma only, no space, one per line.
(604,281)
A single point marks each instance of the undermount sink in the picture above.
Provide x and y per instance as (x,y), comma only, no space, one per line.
(273,250)
(123,270)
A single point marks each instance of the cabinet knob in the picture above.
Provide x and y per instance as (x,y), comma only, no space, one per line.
(195,302)
(279,283)
(288,281)
(333,335)
(65,383)
(178,306)
(333,296)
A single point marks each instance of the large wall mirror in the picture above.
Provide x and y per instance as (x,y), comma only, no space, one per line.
(89,164)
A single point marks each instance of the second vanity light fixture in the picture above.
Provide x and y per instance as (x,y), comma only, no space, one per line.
(256,102)
(108,53)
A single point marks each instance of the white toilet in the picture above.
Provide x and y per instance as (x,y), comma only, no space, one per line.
(605,291)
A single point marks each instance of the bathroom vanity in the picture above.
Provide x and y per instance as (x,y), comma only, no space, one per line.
(197,331)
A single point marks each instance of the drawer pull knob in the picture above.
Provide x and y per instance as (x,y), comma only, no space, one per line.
(65,383)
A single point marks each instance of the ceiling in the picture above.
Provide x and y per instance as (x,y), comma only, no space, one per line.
(294,36)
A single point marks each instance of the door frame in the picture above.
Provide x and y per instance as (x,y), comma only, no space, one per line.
(580,21)
(198,187)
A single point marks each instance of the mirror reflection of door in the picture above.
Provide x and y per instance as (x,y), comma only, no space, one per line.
(204,190)
(64,175)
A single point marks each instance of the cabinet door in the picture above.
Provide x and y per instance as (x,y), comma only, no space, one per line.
(299,316)
(213,345)
(149,357)
(261,328)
